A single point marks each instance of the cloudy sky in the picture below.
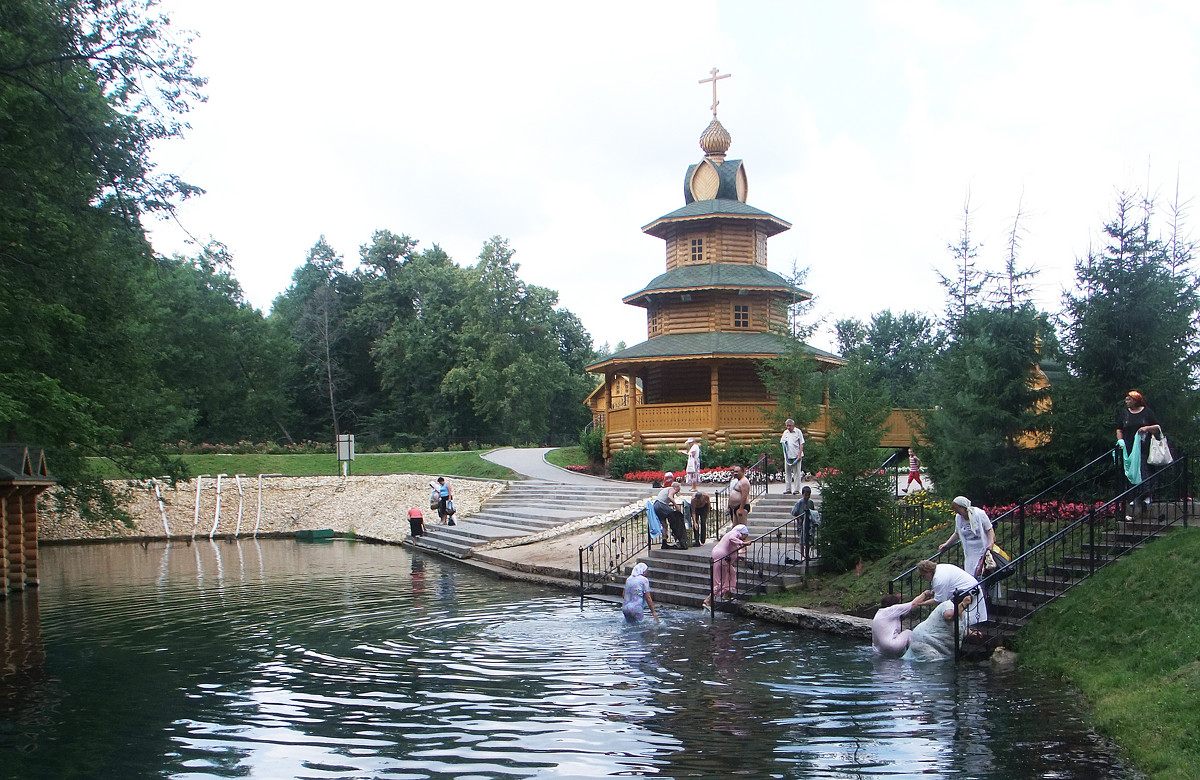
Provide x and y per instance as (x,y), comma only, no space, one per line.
(565,127)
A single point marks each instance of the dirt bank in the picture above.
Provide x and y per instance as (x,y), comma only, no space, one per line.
(370,506)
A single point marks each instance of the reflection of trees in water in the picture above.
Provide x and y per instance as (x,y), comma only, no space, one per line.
(715,701)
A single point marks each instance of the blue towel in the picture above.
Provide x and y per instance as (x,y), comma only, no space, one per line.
(1132,459)
(652,521)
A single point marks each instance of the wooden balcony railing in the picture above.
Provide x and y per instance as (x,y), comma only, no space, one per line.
(739,420)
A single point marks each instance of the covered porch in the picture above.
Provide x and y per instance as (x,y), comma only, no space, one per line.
(652,426)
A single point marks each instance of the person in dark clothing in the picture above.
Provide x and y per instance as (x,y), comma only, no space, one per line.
(666,507)
(806,510)
(700,505)
(1137,418)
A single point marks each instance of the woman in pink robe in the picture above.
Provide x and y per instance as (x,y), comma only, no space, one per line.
(724,569)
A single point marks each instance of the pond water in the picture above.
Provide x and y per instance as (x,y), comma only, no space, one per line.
(280,659)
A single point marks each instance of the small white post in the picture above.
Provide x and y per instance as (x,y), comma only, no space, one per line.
(258,519)
(162,508)
(217,515)
(238,531)
(196,520)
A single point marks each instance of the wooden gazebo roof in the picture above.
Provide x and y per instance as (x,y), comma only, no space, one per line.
(704,346)
(716,276)
(23,465)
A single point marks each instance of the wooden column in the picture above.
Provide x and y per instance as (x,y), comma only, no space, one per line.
(29,497)
(635,434)
(4,493)
(15,536)
(605,448)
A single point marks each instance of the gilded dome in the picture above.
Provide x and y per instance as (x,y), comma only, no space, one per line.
(715,139)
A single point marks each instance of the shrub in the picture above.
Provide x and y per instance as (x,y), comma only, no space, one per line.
(592,442)
(627,460)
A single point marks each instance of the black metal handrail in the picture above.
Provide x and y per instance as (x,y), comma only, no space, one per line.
(758,489)
(765,559)
(895,477)
(601,560)
(1014,531)
(908,522)
(1055,565)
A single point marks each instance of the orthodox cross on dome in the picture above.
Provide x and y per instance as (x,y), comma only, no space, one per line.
(714,78)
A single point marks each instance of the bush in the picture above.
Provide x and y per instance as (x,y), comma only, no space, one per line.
(592,442)
(668,459)
(627,460)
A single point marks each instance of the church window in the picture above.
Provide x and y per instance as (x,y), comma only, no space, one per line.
(697,250)
(741,315)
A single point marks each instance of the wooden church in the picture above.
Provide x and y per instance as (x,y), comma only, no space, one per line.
(711,318)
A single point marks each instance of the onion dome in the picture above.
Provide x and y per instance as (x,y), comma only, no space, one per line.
(715,139)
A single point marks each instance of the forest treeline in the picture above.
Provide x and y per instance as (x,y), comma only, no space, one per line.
(111,350)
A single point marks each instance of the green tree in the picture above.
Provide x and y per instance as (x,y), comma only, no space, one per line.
(898,351)
(216,352)
(981,434)
(520,360)
(85,89)
(1130,323)
(856,503)
(966,284)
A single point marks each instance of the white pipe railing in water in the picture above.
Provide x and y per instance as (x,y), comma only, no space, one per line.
(162,508)
(258,518)
(238,479)
(217,514)
(196,520)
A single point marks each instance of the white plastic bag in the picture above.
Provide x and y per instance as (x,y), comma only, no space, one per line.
(1160,453)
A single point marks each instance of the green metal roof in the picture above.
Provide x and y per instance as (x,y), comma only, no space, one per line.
(716,276)
(718,207)
(728,344)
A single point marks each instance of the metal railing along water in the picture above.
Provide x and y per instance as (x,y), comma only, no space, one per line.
(764,561)
(1019,527)
(602,560)
(1102,535)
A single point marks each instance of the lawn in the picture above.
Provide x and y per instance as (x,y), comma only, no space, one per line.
(455,464)
(1127,639)
(567,456)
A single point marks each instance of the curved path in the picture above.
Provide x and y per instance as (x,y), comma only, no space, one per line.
(532,463)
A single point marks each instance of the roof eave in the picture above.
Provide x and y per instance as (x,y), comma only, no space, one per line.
(774,224)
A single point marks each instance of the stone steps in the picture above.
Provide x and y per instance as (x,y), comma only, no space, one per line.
(524,508)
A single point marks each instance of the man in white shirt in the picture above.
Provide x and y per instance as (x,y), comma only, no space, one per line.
(793,455)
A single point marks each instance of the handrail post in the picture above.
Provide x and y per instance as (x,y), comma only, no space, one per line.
(581,585)
(956,600)
(1092,542)
(712,591)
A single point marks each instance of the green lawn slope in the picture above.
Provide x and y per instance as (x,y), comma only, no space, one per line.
(451,464)
(1129,640)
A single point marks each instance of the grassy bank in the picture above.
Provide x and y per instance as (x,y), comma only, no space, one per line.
(1128,640)
(567,456)
(457,464)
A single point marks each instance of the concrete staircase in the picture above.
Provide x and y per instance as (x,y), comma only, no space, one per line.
(682,576)
(527,507)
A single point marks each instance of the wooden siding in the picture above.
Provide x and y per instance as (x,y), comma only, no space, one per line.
(725,241)
(735,242)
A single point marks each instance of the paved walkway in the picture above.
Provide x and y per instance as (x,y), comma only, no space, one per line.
(532,463)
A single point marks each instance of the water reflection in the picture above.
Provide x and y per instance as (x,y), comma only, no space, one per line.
(277,659)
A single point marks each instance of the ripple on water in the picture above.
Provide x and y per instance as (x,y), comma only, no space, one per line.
(278,659)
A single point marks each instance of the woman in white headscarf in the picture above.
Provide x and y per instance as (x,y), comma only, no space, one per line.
(973,527)
(637,593)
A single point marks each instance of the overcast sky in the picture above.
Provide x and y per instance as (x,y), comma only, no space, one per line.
(566,127)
